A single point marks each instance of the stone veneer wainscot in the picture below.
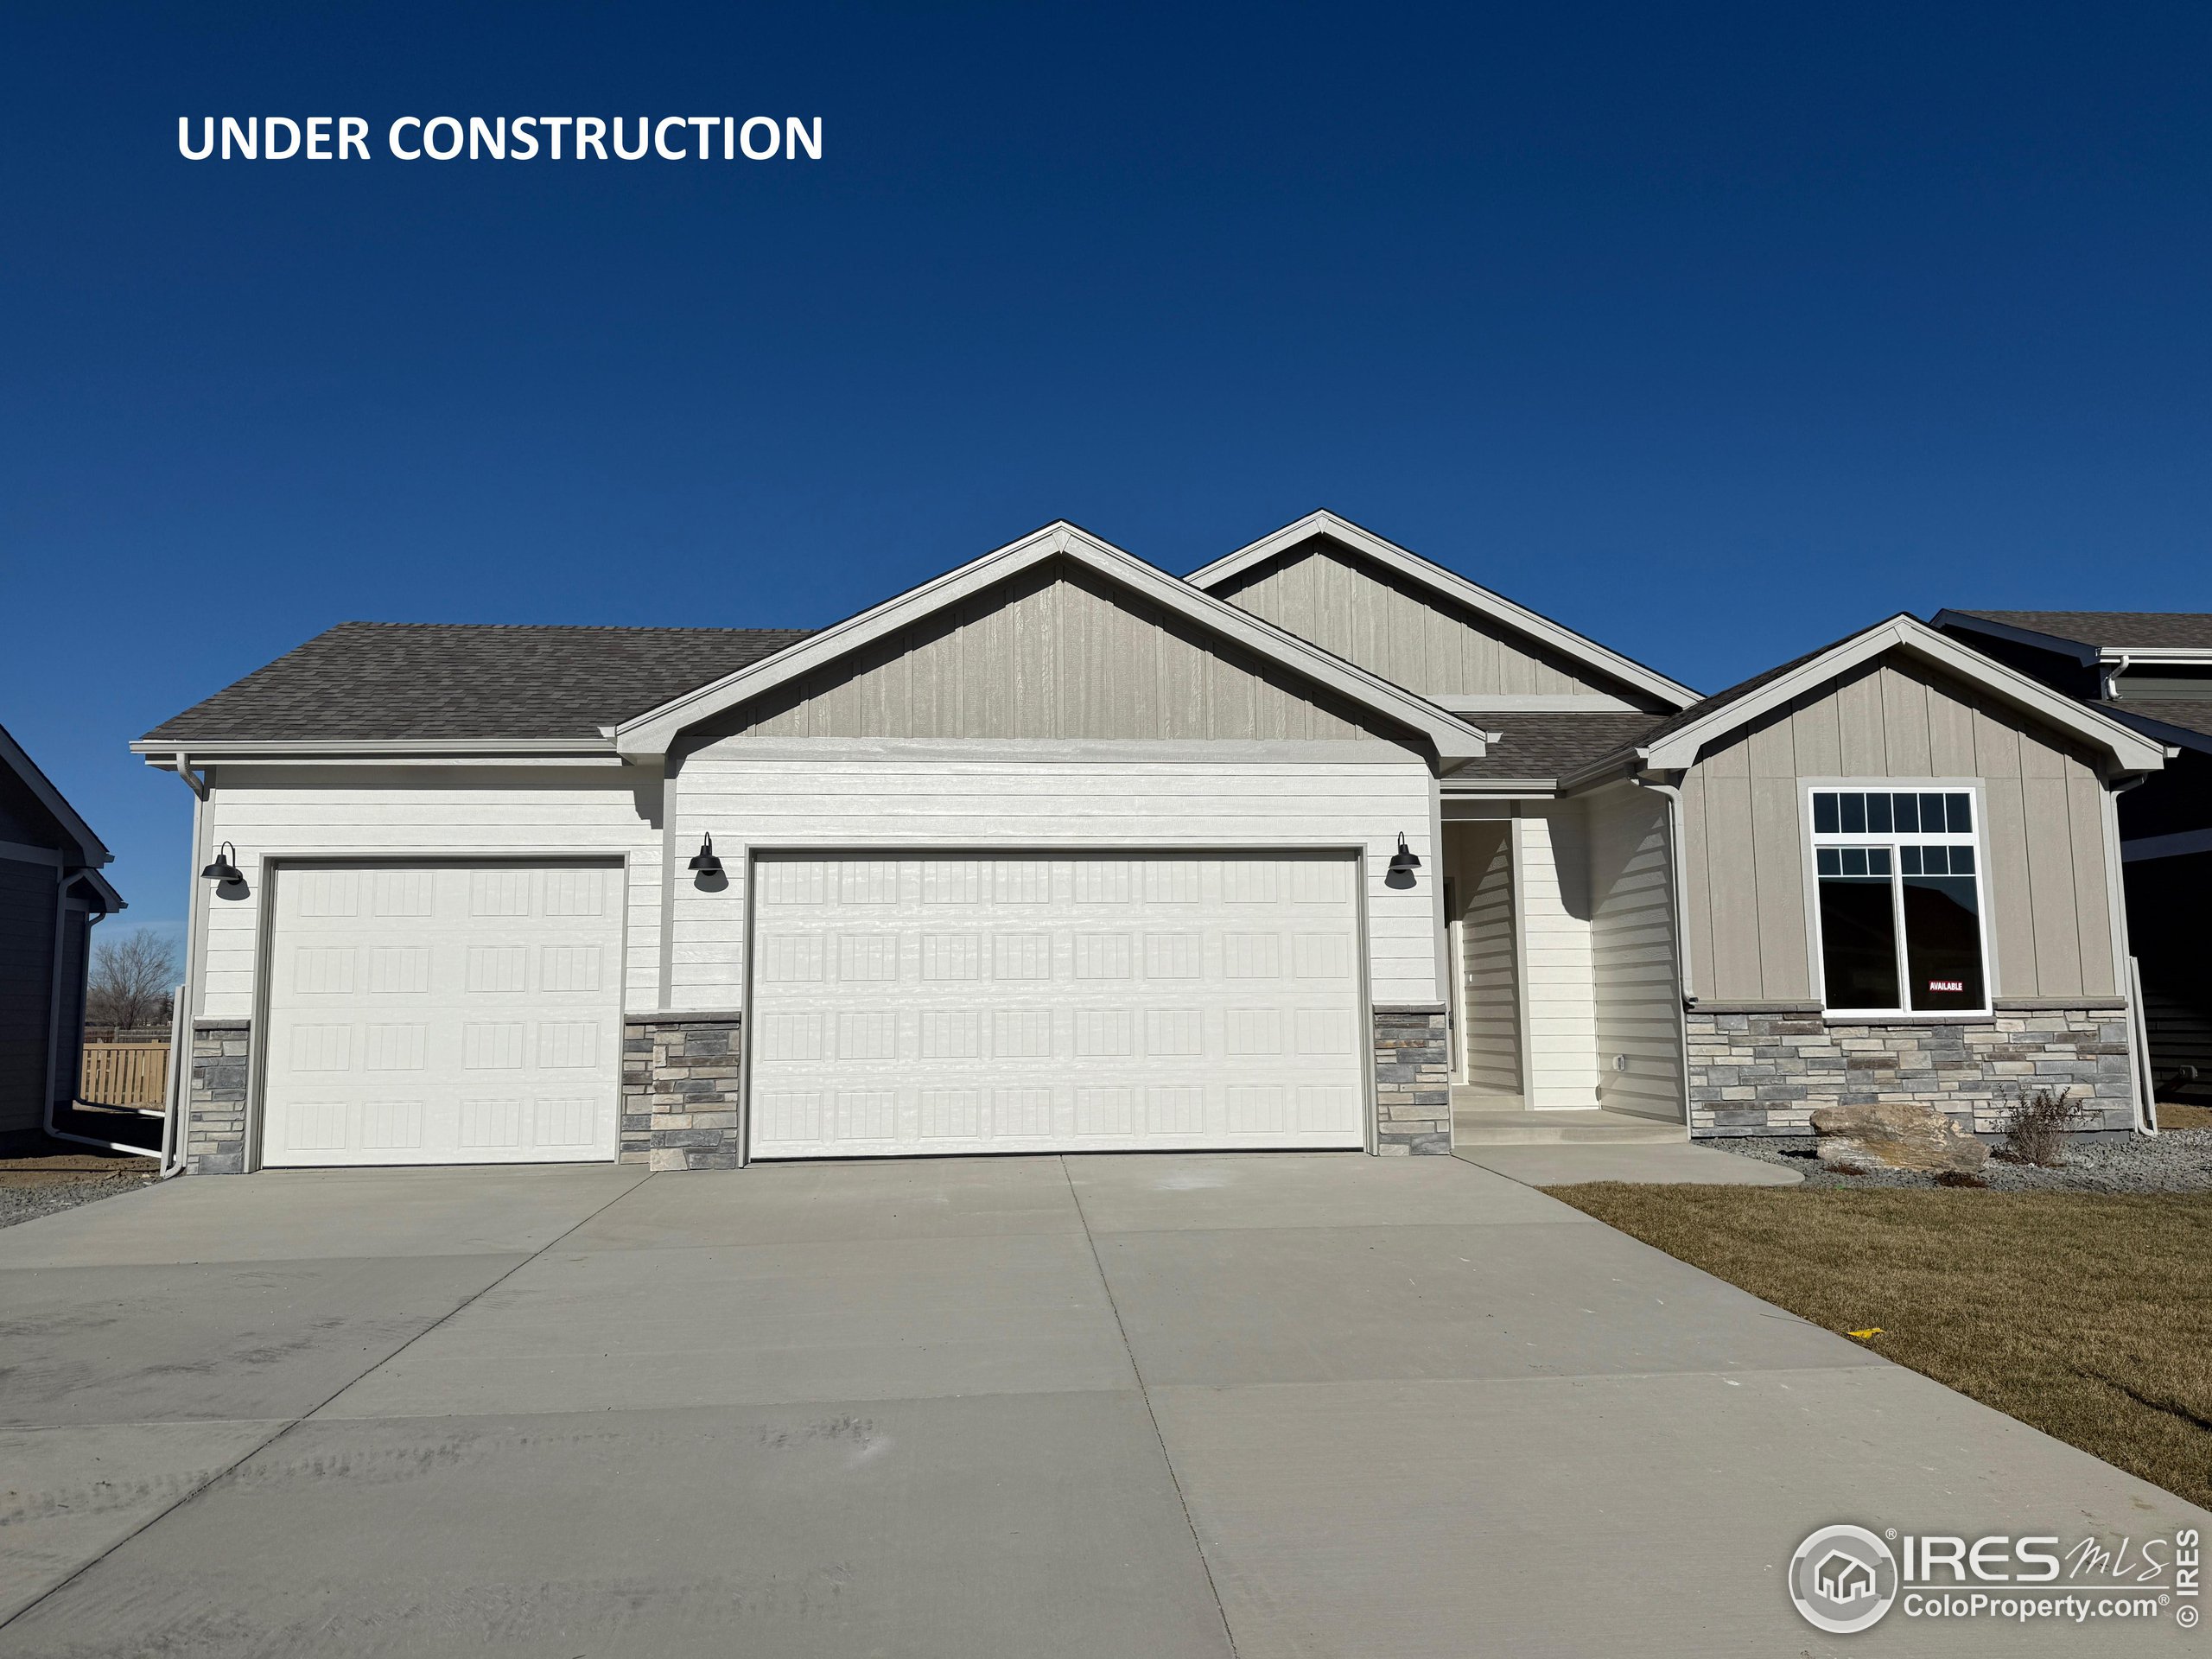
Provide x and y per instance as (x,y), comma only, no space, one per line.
(1765,1068)
(1413,1081)
(215,1140)
(680,1074)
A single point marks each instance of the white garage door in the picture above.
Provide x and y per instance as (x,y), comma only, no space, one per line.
(1039,1004)
(443,1014)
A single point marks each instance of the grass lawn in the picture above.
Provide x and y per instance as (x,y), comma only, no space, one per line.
(2087,1315)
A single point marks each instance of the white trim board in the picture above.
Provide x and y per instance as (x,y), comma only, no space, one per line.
(650,733)
(1453,585)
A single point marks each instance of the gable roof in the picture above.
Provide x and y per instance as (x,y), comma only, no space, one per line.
(1451,585)
(2183,721)
(461,686)
(91,849)
(2091,636)
(652,732)
(1674,744)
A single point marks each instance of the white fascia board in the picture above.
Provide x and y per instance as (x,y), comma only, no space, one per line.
(2130,750)
(12,755)
(166,752)
(651,733)
(1453,585)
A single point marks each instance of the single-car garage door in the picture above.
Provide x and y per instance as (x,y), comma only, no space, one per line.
(1035,1003)
(453,1014)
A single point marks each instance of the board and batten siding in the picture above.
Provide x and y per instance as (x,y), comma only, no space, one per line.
(428,812)
(1055,653)
(1637,997)
(1556,955)
(1480,858)
(1368,614)
(2042,834)
(811,793)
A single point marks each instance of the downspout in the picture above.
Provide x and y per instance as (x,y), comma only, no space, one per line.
(2127,978)
(177,1121)
(1677,874)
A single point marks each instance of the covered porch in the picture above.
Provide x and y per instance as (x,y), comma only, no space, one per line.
(1560,943)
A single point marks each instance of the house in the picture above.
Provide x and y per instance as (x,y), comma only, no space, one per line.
(2152,670)
(1844,1578)
(1060,852)
(51,893)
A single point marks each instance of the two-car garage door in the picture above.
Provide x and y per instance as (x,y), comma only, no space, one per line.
(1027,1003)
(455,1013)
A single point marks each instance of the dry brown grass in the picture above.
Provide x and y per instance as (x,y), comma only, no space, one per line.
(2086,1315)
(2172,1114)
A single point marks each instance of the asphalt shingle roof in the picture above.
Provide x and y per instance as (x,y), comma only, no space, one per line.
(2188,713)
(2121,630)
(370,681)
(1551,745)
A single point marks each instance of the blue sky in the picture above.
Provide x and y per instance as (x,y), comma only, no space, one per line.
(1715,332)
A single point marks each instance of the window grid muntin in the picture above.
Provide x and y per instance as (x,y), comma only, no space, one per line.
(1960,806)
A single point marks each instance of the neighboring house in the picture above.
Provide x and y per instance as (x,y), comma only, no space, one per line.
(1060,852)
(2153,671)
(51,893)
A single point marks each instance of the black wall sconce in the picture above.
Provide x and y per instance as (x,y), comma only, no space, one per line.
(224,871)
(1403,863)
(706,866)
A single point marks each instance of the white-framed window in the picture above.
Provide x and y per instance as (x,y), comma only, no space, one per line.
(1899,877)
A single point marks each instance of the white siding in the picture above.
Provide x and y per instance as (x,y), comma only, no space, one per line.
(917,793)
(1491,987)
(273,813)
(1638,1005)
(1556,913)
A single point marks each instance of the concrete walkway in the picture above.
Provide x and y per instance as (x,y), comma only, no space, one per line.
(1158,1405)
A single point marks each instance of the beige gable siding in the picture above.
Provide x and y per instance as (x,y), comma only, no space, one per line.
(1055,653)
(2043,833)
(1374,617)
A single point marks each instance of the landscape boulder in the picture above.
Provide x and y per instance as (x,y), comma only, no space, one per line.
(1896,1134)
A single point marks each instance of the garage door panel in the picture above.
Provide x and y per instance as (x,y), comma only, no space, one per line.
(443,1013)
(962,1004)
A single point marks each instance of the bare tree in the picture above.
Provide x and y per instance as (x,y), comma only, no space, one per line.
(130,983)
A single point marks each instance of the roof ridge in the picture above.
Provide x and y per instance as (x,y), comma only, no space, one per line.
(569,627)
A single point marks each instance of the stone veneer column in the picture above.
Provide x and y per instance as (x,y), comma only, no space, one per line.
(680,1080)
(1413,1081)
(215,1133)
(1765,1069)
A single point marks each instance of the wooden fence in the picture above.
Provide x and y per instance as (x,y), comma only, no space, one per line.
(124,1074)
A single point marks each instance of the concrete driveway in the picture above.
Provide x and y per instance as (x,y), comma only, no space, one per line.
(1136,1406)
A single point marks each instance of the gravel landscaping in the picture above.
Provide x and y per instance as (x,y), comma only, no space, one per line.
(31,1187)
(2178,1160)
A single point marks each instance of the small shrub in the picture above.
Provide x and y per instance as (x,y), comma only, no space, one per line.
(2035,1124)
(1958,1178)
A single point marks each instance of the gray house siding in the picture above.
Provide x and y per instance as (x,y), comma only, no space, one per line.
(29,893)
(1055,652)
(1390,625)
(1745,842)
